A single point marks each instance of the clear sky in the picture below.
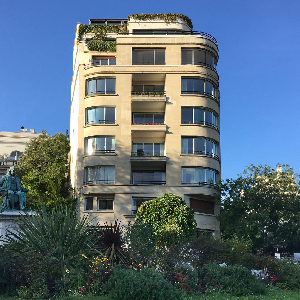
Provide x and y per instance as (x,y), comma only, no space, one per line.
(259,68)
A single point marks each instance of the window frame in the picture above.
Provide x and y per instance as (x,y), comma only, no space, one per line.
(94,145)
(135,59)
(96,92)
(205,182)
(150,182)
(212,153)
(111,60)
(205,63)
(105,199)
(153,118)
(97,181)
(214,117)
(85,203)
(193,92)
(144,199)
(105,121)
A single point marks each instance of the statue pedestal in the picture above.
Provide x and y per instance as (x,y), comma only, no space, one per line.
(9,221)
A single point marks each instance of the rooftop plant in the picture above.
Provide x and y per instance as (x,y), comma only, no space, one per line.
(168,17)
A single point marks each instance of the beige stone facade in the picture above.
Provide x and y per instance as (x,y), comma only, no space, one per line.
(145,120)
(12,144)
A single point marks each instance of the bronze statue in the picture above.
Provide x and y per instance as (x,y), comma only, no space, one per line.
(13,194)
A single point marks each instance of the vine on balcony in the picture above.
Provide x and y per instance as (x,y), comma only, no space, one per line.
(101,46)
(168,17)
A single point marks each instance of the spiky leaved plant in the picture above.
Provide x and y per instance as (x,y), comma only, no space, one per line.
(50,242)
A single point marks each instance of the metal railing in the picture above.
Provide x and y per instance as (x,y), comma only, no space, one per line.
(152,182)
(148,154)
(96,181)
(102,122)
(149,93)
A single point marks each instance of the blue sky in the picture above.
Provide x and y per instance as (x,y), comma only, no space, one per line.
(259,45)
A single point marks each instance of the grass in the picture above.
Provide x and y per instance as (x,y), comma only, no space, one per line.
(274,294)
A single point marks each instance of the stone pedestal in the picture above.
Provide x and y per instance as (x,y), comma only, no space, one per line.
(9,221)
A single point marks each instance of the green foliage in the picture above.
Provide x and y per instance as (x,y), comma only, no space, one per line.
(146,284)
(43,169)
(168,17)
(235,280)
(263,205)
(102,46)
(140,241)
(48,243)
(172,221)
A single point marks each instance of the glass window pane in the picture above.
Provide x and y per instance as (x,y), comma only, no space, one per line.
(160,57)
(199,145)
(210,177)
(90,146)
(138,118)
(148,149)
(109,175)
(148,57)
(198,116)
(200,175)
(148,118)
(96,62)
(89,203)
(209,88)
(100,86)
(159,88)
(135,57)
(184,145)
(99,115)
(198,86)
(104,61)
(110,85)
(159,118)
(112,61)
(110,115)
(148,88)
(208,118)
(90,116)
(91,87)
(186,115)
(105,204)
(158,149)
(100,144)
(186,56)
(137,88)
(199,57)
(209,60)
(109,144)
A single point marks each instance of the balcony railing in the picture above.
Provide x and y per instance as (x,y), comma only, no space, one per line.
(149,93)
(98,151)
(148,154)
(99,181)
(101,122)
(153,182)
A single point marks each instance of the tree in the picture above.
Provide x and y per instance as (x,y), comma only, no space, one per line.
(263,205)
(171,220)
(43,169)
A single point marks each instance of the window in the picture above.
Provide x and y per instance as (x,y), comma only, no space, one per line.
(196,56)
(148,56)
(99,175)
(100,115)
(196,115)
(197,86)
(100,86)
(105,204)
(137,202)
(100,144)
(148,177)
(148,118)
(15,155)
(195,175)
(202,206)
(148,149)
(197,145)
(103,61)
(89,203)
(147,88)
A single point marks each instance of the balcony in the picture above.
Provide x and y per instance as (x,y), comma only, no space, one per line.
(149,177)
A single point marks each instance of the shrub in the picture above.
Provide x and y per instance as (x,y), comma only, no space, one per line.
(235,280)
(146,284)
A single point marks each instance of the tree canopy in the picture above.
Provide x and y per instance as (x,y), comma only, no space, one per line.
(170,218)
(43,169)
(262,204)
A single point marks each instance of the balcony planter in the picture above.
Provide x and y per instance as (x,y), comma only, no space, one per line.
(140,152)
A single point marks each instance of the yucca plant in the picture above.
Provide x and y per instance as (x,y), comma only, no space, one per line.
(50,242)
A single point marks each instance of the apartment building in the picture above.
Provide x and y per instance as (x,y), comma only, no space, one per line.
(145,116)
(12,144)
